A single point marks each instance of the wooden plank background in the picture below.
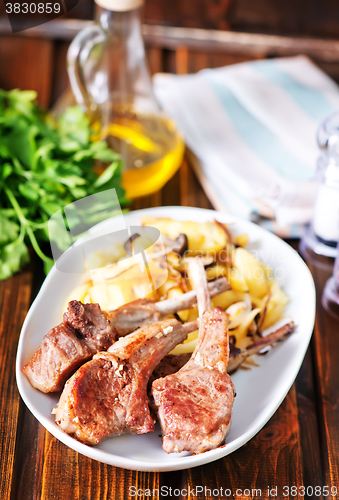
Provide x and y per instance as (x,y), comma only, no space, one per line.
(181,37)
(318,18)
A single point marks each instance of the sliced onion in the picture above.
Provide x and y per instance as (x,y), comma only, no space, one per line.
(237,312)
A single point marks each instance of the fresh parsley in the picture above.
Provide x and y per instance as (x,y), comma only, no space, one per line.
(44,165)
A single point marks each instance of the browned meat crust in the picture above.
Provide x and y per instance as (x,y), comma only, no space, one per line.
(195,404)
(170,364)
(101,399)
(107,396)
(84,332)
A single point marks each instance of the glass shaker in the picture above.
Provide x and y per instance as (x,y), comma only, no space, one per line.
(322,235)
(110,80)
(330,298)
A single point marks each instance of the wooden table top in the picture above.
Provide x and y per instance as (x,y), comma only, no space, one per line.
(298,447)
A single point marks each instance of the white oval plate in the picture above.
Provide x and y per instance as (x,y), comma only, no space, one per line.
(259,390)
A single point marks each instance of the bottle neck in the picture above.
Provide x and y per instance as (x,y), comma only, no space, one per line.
(123,62)
(121,23)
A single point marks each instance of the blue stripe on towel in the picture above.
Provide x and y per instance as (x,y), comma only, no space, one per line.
(265,223)
(261,140)
(313,102)
(295,230)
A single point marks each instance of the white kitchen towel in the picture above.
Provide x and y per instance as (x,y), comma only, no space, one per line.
(253,127)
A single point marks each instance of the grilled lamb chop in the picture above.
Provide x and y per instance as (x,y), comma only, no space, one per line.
(107,396)
(142,311)
(87,330)
(195,404)
(84,331)
(169,365)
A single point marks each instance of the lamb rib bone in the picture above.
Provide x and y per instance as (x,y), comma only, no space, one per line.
(173,362)
(189,299)
(197,274)
(195,404)
(134,314)
(107,396)
(238,356)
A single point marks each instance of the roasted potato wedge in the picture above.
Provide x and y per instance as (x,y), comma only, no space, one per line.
(205,237)
(276,305)
(251,269)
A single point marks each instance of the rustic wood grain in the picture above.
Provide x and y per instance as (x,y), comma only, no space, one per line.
(65,474)
(273,458)
(194,13)
(326,347)
(21,66)
(191,192)
(14,302)
(172,37)
(181,60)
(154,57)
(311,17)
(153,200)
(26,455)
(250,44)
(60,81)
(177,49)
(309,422)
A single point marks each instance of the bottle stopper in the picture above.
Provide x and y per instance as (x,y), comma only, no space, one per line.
(119,5)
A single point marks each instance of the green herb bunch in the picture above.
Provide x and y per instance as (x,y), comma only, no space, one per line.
(44,165)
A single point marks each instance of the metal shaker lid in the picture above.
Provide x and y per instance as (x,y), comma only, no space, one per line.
(328,132)
(328,141)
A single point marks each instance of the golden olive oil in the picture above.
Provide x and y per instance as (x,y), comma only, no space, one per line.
(150,146)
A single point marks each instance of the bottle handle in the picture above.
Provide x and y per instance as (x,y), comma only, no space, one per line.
(77,56)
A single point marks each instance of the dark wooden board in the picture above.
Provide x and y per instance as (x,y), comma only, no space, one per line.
(21,66)
(311,17)
(307,18)
(272,459)
(14,302)
(327,379)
